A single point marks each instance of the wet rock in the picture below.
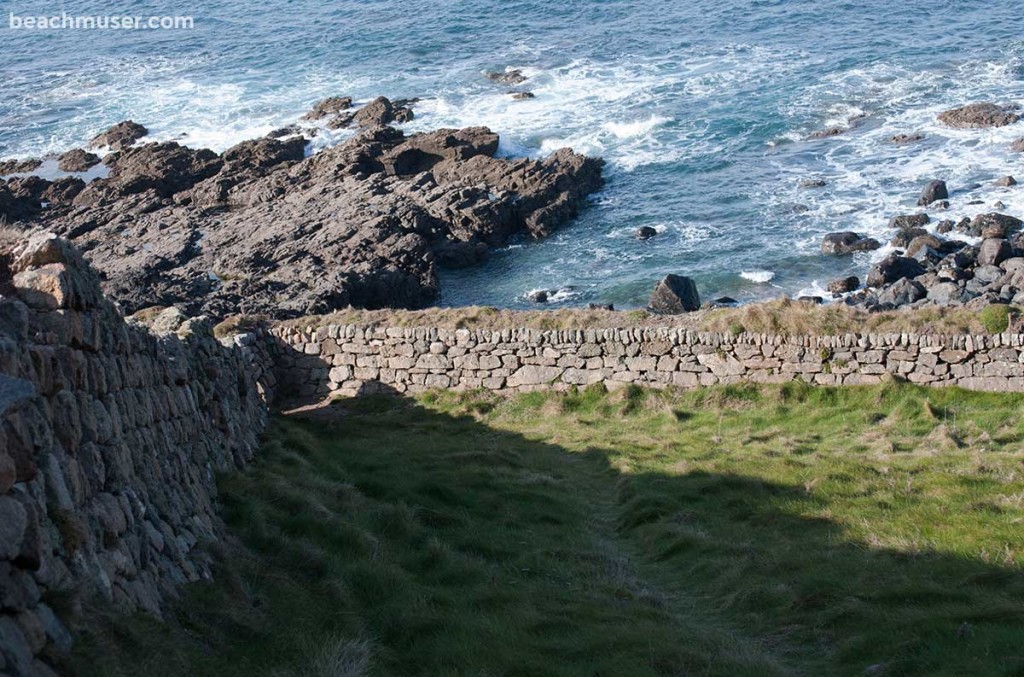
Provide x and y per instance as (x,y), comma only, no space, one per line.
(979,115)
(905,139)
(945,226)
(674,295)
(329,107)
(120,136)
(847,242)
(906,221)
(934,191)
(844,285)
(812,183)
(1018,145)
(600,306)
(724,302)
(77,160)
(539,296)
(992,225)
(1006,182)
(523,96)
(921,242)
(893,268)
(812,300)
(19,166)
(994,251)
(903,238)
(508,77)
(827,133)
(645,233)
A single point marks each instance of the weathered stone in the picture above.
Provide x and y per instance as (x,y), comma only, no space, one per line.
(675,295)
(934,191)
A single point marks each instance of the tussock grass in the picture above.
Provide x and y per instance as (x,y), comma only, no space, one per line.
(738,530)
(782,316)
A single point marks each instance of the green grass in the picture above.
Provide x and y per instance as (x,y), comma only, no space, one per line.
(731,531)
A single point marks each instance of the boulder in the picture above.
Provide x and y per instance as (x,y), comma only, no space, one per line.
(847,242)
(539,296)
(921,242)
(1018,145)
(826,133)
(979,115)
(893,268)
(812,183)
(645,233)
(844,285)
(993,225)
(122,135)
(934,191)
(1006,182)
(905,221)
(380,112)
(77,160)
(901,293)
(994,251)
(675,295)
(523,96)
(903,238)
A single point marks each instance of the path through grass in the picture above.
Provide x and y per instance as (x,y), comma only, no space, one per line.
(730,531)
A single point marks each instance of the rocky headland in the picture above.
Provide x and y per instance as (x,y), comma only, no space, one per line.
(264,229)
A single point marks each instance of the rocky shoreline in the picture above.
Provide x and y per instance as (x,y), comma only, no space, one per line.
(262,229)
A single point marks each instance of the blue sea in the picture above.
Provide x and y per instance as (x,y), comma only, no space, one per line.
(702,110)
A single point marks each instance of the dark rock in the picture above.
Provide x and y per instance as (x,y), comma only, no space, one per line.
(63,191)
(120,136)
(539,296)
(934,191)
(847,242)
(77,160)
(508,77)
(523,96)
(905,221)
(265,153)
(826,133)
(329,107)
(675,295)
(645,233)
(921,242)
(814,300)
(993,225)
(944,226)
(979,115)
(904,139)
(600,306)
(994,251)
(844,285)
(901,293)
(812,183)
(1006,182)
(380,112)
(945,293)
(893,268)
(903,238)
(725,301)
(365,223)
(19,166)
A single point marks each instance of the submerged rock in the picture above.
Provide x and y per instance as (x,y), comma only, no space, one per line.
(508,77)
(905,139)
(675,295)
(645,233)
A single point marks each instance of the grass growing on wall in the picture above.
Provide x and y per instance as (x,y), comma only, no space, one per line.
(728,531)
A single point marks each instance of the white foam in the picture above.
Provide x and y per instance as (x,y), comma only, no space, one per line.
(758,276)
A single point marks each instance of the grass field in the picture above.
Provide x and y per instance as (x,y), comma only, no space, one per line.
(730,531)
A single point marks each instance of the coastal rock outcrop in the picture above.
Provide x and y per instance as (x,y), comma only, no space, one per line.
(979,115)
(262,229)
(933,192)
(77,160)
(121,135)
(674,295)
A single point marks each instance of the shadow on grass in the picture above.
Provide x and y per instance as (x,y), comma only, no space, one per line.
(379,536)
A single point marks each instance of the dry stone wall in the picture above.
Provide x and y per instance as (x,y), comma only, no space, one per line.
(349,360)
(111,435)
